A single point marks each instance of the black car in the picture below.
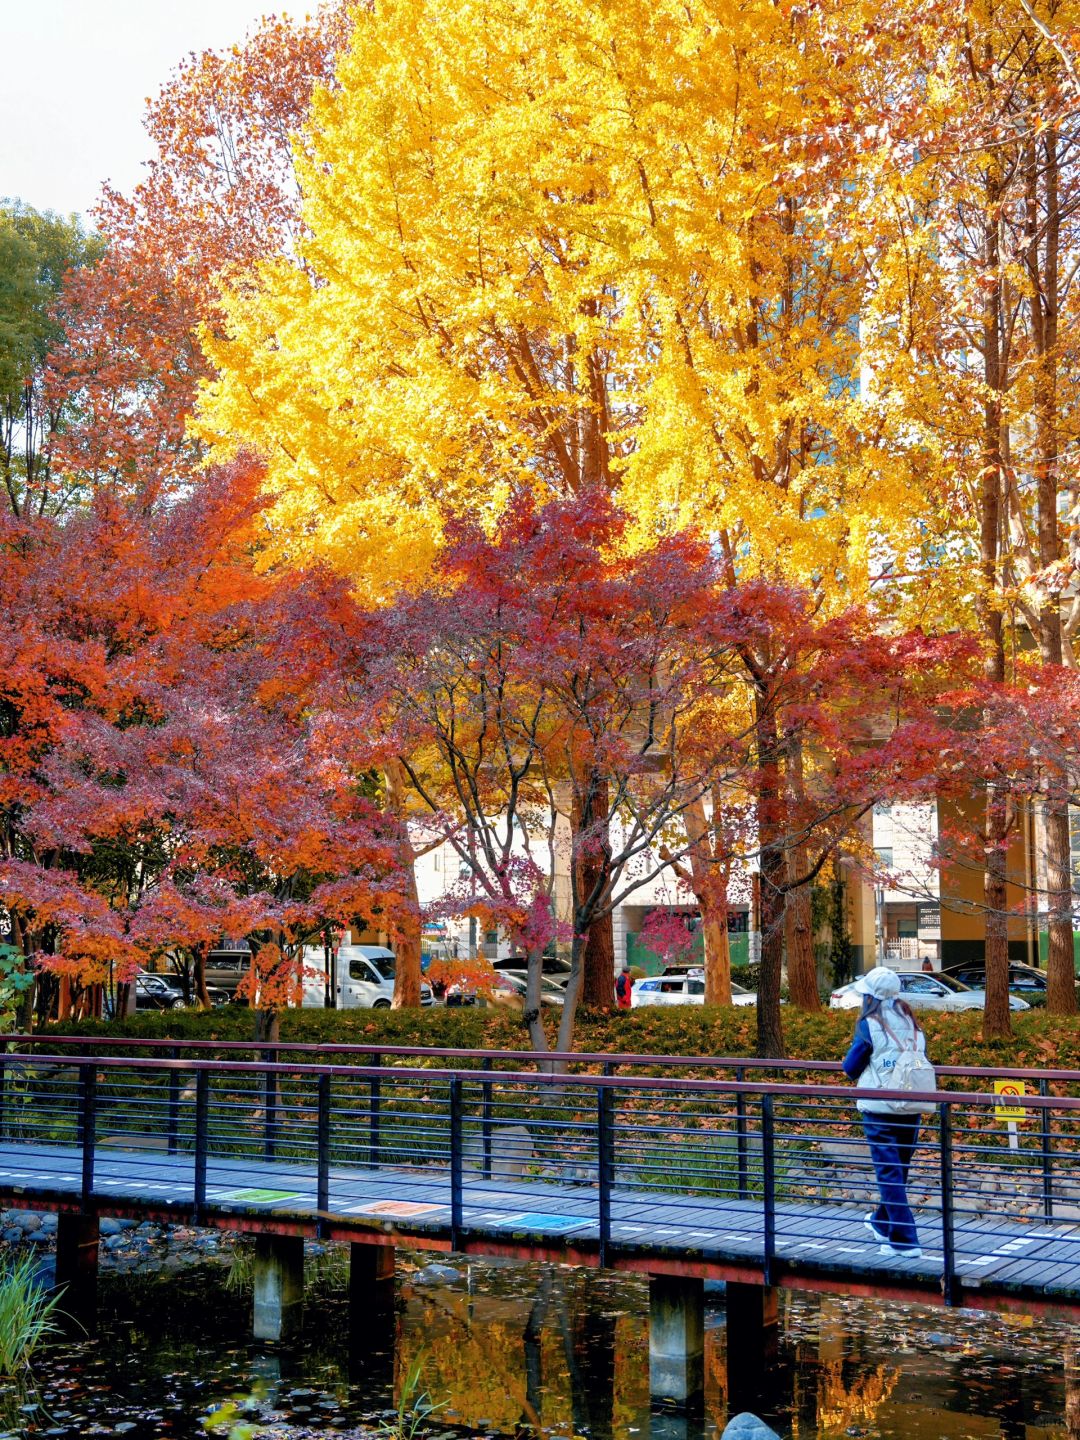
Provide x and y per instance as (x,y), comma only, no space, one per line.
(156,992)
(165,992)
(1024,980)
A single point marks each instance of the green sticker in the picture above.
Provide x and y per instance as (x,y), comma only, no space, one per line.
(258,1197)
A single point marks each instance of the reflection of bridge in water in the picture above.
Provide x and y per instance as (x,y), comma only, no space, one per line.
(630,1162)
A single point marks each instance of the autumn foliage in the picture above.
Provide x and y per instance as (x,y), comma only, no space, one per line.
(600,442)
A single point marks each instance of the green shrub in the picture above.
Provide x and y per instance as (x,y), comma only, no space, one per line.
(1039,1040)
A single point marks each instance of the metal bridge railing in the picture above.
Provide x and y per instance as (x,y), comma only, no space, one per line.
(770,1172)
(577,1061)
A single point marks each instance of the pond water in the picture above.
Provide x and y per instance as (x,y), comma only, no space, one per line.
(515,1349)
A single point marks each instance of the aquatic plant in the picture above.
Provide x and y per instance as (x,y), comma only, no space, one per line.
(27,1315)
(415,1406)
(227,1417)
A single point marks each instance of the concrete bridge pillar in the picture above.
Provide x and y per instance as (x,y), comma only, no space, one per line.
(77,1266)
(753,1327)
(676,1341)
(279,1285)
(371,1278)
(372,1322)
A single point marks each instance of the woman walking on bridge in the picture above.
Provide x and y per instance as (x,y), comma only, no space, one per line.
(889,1053)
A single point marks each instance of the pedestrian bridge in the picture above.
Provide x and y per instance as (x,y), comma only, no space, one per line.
(748,1171)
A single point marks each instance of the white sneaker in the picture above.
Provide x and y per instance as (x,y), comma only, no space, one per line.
(905,1252)
(872,1227)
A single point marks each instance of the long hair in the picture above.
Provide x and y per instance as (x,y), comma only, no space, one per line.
(872,1007)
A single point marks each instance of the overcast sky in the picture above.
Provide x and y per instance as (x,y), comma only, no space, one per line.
(76,78)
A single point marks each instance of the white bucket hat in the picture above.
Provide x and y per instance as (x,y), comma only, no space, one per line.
(881,982)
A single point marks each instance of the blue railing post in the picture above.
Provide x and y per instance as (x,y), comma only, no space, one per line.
(456,1162)
(485,1117)
(1045,1119)
(322,1142)
(605,1158)
(270,1089)
(740,1137)
(174,1104)
(768,1175)
(202,1125)
(3,1088)
(88,1126)
(950,1288)
(375,1101)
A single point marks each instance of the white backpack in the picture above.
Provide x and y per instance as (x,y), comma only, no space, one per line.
(911,1074)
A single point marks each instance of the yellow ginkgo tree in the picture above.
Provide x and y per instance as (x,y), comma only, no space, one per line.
(560,247)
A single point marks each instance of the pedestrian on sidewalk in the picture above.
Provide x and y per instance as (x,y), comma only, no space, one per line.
(889,1053)
(624,988)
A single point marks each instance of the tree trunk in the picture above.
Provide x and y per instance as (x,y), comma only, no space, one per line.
(591,842)
(798,924)
(1044,300)
(799,933)
(267,1027)
(202,994)
(598,964)
(572,994)
(1060,965)
(997,1021)
(409,958)
(24,1004)
(997,1018)
(533,1014)
(773,865)
(717,954)
(708,879)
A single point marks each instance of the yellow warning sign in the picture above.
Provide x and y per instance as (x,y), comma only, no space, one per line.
(1007,1088)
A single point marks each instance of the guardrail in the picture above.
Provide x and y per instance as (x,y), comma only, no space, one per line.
(625,1161)
(608,1061)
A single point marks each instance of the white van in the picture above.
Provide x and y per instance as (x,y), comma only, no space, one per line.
(365,978)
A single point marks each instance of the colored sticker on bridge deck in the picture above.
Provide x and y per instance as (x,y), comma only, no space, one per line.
(529,1220)
(403,1208)
(256,1197)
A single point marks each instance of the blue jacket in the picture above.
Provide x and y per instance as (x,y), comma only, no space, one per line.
(862,1048)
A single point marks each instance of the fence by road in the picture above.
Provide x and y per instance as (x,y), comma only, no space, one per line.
(697,1167)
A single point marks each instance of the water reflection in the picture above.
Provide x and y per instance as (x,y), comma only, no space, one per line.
(520,1350)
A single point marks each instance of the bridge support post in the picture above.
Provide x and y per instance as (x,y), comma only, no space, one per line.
(77,1266)
(676,1341)
(279,1285)
(371,1280)
(372,1332)
(753,1324)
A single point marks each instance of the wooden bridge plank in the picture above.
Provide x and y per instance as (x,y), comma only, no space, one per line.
(1003,1252)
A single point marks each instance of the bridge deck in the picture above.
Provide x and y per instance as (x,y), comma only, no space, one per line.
(1001,1260)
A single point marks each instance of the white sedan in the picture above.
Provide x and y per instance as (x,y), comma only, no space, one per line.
(924,991)
(680,990)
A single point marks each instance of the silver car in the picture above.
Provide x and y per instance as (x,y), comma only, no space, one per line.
(676,989)
(925,991)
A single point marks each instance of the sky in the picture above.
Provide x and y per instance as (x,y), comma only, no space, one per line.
(76,82)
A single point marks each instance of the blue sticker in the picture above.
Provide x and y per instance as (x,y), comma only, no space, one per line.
(531,1220)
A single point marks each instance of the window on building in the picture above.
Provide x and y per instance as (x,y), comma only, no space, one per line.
(884,855)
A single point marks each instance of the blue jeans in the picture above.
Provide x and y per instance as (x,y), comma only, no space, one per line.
(892,1142)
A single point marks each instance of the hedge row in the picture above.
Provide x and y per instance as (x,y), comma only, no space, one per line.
(1039,1040)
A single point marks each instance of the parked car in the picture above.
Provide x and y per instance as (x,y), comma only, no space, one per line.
(365,979)
(1024,980)
(681,988)
(225,968)
(153,992)
(924,991)
(165,992)
(553,965)
(510,985)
